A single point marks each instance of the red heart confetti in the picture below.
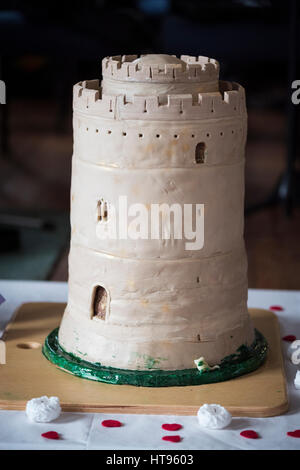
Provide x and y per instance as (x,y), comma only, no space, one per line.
(172,438)
(111,423)
(289,338)
(295,433)
(249,434)
(276,308)
(171,426)
(50,435)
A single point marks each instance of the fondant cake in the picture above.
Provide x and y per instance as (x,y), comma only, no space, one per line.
(157,265)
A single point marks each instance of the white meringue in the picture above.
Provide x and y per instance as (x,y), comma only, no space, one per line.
(43,409)
(297,380)
(293,352)
(213,416)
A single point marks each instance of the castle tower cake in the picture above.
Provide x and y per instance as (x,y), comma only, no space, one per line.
(157,265)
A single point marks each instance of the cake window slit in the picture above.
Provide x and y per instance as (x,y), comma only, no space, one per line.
(200,152)
(102,211)
(100,302)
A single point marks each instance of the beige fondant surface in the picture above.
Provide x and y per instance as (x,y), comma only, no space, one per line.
(136,136)
(158,59)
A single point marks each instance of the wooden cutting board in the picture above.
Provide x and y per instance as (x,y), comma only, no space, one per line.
(27,374)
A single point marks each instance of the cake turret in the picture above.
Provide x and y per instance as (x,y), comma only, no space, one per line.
(159,74)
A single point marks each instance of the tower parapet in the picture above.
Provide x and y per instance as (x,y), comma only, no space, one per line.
(228,102)
(188,68)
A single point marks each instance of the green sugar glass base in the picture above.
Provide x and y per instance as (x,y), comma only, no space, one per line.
(245,360)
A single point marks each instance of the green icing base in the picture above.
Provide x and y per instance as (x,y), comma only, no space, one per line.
(245,360)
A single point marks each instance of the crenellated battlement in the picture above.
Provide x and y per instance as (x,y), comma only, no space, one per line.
(190,69)
(229,102)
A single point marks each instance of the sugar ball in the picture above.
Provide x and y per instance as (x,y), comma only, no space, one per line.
(43,409)
(213,416)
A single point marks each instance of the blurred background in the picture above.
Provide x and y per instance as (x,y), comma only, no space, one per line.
(49,46)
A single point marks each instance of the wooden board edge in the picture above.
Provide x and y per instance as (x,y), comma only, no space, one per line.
(258,412)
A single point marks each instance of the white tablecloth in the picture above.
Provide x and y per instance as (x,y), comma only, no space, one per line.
(84,430)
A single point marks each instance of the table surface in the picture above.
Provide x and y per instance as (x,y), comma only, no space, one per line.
(84,430)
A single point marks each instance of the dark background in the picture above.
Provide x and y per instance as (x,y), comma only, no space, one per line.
(48,46)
